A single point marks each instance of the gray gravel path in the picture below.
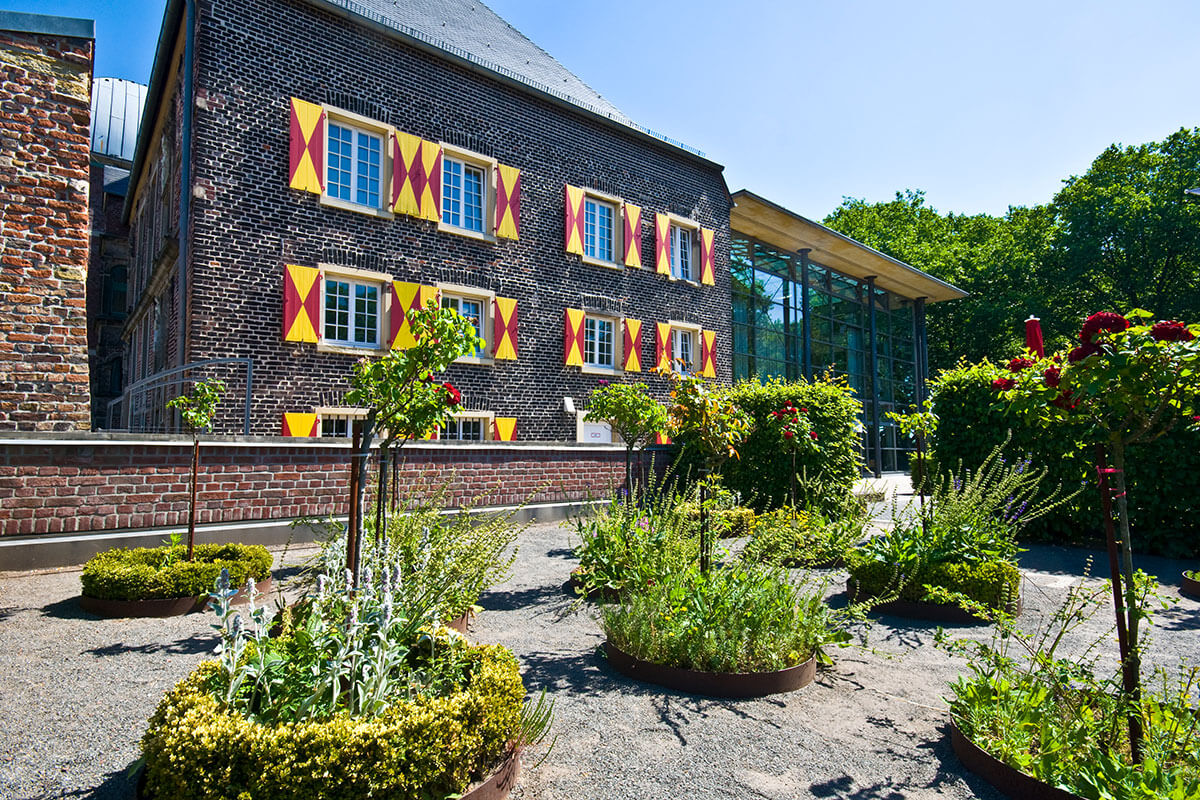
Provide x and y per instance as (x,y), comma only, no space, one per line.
(76,691)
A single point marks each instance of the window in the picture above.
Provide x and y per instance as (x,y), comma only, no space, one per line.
(598,343)
(335,426)
(682,349)
(471,308)
(351,312)
(682,242)
(598,229)
(466,429)
(463,186)
(353,165)
(338,421)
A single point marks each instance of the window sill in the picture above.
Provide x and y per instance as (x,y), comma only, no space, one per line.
(588,369)
(349,349)
(367,211)
(466,232)
(478,361)
(688,281)
(599,262)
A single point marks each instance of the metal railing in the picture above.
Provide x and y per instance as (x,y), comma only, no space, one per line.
(142,407)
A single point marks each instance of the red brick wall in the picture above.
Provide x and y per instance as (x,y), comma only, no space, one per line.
(45,92)
(106,483)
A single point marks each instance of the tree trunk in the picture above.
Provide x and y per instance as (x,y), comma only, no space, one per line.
(381,495)
(192,503)
(1131,666)
(705,546)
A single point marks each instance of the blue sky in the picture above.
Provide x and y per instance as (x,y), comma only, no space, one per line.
(981,105)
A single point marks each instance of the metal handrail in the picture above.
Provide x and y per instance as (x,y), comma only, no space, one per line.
(135,392)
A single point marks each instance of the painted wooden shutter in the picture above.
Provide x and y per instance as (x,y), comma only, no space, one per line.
(299,424)
(301,303)
(573,338)
(508,202)
(633,345)
(431,189)
(708,354)
(306,147)
(573,220)
(504,328)
(662,244)
(633,235)
(662,346)
(707,257)
(662,438)
(406,297)
(408,175)
(504,429)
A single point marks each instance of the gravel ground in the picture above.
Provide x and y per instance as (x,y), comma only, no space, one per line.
(76,691)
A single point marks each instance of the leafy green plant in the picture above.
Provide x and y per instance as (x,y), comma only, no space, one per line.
(197,409)
(919,426)
(797,538)
(634,415)
(148,573)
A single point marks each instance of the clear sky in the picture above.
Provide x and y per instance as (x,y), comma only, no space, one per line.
(982,105)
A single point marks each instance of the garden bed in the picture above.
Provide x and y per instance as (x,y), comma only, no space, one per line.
(1008,780)
(160,607)
(934,612)
(712,684)
(1191,584)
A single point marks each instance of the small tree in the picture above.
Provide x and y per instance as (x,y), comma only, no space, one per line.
(633,414)
(797,435)
(402,398)
(197,409)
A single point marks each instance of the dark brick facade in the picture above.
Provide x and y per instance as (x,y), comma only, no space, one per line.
(107,283)
(251,57)
(45,90)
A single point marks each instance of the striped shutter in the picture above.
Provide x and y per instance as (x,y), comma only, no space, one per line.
(573,219)
(708,354)
(633,235)
(662,244)
(408,175)
(301,303)
(633,346)
(573,338)
(504,429)
(430,193)
(504,330)
(662,438)
(306,147)
(707,258)
(296,424)
(508,202)
(406,297)
(662,346)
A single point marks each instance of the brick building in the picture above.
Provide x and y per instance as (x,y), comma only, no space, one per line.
(45,87)
(346,160)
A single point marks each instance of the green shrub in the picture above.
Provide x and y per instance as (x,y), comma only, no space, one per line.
(148,573)
(994,584)
(1164,505)
(428,747)
(728,523)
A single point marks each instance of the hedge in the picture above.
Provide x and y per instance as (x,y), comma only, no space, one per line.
(145,573)
(1163,476)
(992,583)
(430,747)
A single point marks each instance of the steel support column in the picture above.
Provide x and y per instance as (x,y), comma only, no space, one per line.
(878,431)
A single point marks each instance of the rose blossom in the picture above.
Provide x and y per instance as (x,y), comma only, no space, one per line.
(1171,331)
(1102,321)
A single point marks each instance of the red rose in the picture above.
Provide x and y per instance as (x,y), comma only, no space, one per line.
(1003,384)
(1101,321)
(1082,352)
(1020,363)
(776,414)
(455,396)
(1171,331)
(1051,376)
(804,411)
(1064,401)
(812,435)
(788,434)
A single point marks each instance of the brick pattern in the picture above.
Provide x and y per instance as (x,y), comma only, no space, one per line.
(51,488)
(108,272)
(45,96)
(247,223)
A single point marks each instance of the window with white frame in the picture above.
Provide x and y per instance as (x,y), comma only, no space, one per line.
(351,312)
(466,428)
(338,421)
(472,308)
(354,164)
(599,342)
(683,350)
(682,241)
(599,229)
(464,188)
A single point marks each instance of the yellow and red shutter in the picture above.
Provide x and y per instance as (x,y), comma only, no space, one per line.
(408,174)
(306,147)
(406,297)
(504,429)
(299,424)
(573,220)
(633,235)
(430,193)
(708,354)
(573,338)
(662,346)
(708,268)
(508,202)
(504,332)
(662,438)
(301,303)
(662,244)
(633,345)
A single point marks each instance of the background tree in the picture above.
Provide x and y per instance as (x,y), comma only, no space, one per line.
(633,414)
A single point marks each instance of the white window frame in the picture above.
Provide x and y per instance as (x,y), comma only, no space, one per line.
(359,125)
(617,207)
(360,277)
(487,166)
(486,300)
(347,414)
(694,333)
(617,342)
(485,419)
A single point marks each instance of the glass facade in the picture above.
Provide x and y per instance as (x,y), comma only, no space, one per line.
(793,317)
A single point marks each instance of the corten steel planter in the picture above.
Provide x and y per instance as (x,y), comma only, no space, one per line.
(1009,781)
(460,623)
(712,684)
(934,612)
(165,607)
(1190,586)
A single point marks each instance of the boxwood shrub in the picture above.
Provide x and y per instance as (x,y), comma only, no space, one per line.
(1164,504)
(728,523)
(992,583)
(148,573)
(430,747)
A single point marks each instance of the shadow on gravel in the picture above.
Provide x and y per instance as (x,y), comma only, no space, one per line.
(574,673)
(522,598)
(7,612)
(561,552)
(119,785)
(192,645)
(67,609)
